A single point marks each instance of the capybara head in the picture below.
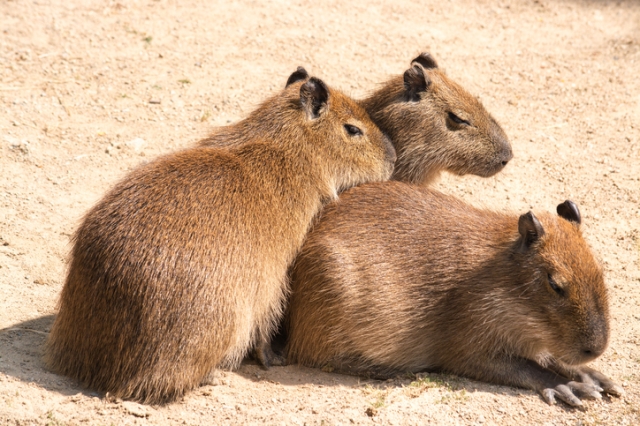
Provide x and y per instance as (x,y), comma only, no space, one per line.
(436,125)
(363,152)
(307,110)
(569,303)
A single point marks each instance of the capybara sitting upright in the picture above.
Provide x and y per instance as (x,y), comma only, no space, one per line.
(434,124)
(181,267)
(396,278)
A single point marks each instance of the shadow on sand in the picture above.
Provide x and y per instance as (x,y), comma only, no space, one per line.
(21,349)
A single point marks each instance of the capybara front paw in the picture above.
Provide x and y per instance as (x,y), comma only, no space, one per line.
(608,386)
(572,393)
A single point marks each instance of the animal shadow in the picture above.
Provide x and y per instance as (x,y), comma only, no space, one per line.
(21,350)
(22,345)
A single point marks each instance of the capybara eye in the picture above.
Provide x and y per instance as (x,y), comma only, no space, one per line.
(352,130)
(554,286)
(457,119)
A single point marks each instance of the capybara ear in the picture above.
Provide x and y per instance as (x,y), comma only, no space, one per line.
(415,81)
(530,230)
(426,60)
(297,75)
(569,211)
(314,95)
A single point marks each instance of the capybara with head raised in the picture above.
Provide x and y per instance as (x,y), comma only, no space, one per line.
(434,125)
(396,278)
(181,267)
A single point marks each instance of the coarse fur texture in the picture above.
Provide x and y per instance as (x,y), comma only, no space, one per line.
(395,278)
(181,267)
(434,124)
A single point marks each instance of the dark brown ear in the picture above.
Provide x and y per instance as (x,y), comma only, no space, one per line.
(569,211)
(415,82)
(314,95)
(426,60)
(530,230)
(297,75)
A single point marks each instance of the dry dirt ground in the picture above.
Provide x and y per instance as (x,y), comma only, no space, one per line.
(90,89)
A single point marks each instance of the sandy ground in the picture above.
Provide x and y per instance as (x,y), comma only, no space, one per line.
(89,90)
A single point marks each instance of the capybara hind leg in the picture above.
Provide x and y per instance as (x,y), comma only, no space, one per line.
(266,356)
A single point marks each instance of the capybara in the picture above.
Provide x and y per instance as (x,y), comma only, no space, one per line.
(395,278)
(181,267)
(434,125)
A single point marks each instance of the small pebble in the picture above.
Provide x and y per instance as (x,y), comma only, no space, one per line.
(136,144)
(135,409)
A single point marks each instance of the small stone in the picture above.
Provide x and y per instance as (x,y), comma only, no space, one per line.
(136,144)
(18,145)
(371,412)
(154,101)
(112,399)
(135,409)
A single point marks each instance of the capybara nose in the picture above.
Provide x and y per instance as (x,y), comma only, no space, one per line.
(597,338)
(506,154)
(589,353)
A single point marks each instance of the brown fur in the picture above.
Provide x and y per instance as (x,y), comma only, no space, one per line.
(181,267)
(413,110)
(396,278)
